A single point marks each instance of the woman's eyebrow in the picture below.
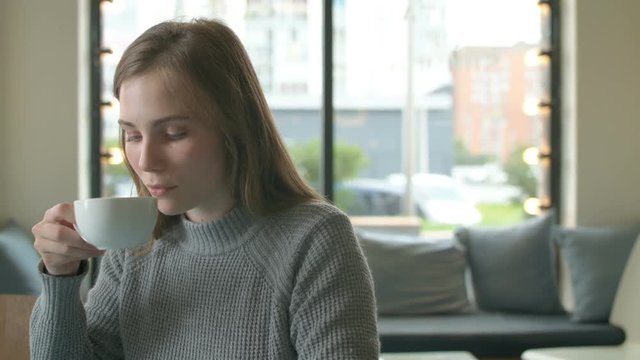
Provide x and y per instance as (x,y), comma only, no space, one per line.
(156,122)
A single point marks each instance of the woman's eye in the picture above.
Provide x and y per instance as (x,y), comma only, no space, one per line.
(132,137)
(176,135)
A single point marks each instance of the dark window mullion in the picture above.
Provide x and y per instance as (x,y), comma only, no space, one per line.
(556,124)
(95,137)
(327,100)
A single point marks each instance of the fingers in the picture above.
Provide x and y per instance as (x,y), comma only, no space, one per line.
(59,245)
(56,253)
(54,237)
(61,213)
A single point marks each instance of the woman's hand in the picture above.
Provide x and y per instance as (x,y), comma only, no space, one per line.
(58,243)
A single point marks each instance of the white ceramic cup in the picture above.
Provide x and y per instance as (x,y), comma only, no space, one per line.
(116,223)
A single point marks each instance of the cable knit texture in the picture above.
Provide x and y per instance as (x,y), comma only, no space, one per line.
(290,286)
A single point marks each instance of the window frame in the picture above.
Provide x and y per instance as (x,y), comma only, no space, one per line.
(97,156)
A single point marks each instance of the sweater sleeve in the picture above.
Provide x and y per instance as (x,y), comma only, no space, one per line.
(62,328)
(333,313)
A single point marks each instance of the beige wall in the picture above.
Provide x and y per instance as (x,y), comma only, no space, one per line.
(40,103)
(602,143)
(3,211)
(39,87)
(600,123)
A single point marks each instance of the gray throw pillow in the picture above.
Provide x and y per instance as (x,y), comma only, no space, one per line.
(18,262)
(595,258)
(513,269)
(413,275)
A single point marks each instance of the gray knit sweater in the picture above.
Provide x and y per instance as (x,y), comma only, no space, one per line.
(290,286)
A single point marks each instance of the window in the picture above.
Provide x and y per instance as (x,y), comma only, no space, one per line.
(435,102)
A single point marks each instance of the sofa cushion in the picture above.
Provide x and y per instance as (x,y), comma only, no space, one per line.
(413,275)
(513,268)
(490,334)
(595,258)
(18,262)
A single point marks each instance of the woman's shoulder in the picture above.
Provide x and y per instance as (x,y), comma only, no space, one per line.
(319,207)
(304,225)
(308,215)
(285,239)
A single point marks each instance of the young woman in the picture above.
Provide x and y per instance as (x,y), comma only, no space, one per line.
(248,262)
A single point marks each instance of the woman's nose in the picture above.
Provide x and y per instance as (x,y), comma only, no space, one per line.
(151,158)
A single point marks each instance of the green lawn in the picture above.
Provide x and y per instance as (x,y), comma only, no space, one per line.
(492,215)
(501,214)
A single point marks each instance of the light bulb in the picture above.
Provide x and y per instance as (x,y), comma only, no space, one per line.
(531,156)
(116,157)
(532,206)
(530,107)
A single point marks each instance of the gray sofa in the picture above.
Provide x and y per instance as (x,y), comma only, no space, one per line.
(494,292)
(490,334)
(18,261)
(490,292)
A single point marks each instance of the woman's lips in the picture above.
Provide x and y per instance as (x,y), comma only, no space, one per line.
(159,190)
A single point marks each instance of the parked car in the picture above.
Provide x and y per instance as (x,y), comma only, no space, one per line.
(370,197)
(441,199)
(437,198)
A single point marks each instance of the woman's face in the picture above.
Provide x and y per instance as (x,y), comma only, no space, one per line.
(176,154)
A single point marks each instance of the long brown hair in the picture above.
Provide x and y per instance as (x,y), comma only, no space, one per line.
(208,60)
